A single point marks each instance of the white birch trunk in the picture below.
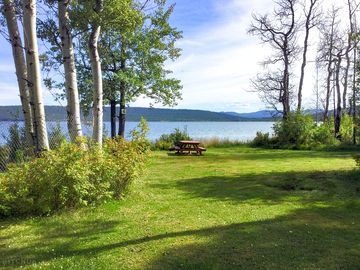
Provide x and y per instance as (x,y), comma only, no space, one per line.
(20,67)
(97,79)
(72,94)
(34,76)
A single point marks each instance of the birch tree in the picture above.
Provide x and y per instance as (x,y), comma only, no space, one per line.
(97,76)
(326,51)
(20,67)
(312,16)
(133,60)
(33,75)
(72,94)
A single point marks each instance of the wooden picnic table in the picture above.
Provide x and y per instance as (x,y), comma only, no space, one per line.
(189,147)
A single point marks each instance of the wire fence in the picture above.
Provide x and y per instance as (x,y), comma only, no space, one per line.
(17,146)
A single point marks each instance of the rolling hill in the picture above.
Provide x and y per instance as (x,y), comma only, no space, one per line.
(58,113)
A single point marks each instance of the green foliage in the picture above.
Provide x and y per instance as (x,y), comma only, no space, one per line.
(291,208)
(56,137)
(299,131)
(262,140)
(133,59)
(357,160)
(296,130)
(324,134)
(346,129)
(16,143)
(168,140)
(72,176)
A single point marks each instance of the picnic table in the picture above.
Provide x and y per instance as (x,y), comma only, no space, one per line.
(188,147)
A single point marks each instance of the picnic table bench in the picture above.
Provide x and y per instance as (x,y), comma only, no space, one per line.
(188,147)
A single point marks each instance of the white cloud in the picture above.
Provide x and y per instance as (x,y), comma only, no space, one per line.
(219,60)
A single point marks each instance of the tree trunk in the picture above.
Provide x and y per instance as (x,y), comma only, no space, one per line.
(286,83)
(113,117)
(72,94)
(354,93)
(338,91)
(304,60)
(34,76)
(347,55)
(122,113)
(328,90)
(346,73)
(20,66)
(97,79)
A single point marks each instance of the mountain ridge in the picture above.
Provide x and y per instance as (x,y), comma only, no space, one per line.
(58,113)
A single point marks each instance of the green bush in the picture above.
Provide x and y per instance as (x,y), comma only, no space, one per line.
(56,137)
(262,140)
(346,129)
(72,176)
(17,144)
(4,157)
(324,134)
(299,131)
(168,140)
(296,130)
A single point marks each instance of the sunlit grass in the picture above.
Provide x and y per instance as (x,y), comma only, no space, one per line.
(234,207)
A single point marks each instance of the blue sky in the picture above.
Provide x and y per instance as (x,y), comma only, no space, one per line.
(219,58)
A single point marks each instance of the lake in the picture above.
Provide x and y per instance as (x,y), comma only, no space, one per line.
(243,131)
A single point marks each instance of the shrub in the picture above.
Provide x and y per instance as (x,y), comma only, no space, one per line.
(299,131)
(168,140)
(72,176)
(357,160)
(324,134)
(56,136)
(261,140)
(16,143)
(346,129)
(296,130)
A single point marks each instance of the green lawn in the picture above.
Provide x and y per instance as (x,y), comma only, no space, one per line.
(232,208)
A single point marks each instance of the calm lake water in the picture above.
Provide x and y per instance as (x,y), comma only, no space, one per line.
(231,130)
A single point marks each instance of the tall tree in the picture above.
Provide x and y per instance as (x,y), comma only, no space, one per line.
(97,76)
(133,60)
(312,15)
(280,32)
(33,75)
(20,67)
(72,94)
(326,51)
(338,113)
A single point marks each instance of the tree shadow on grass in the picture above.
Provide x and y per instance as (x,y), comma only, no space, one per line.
(313,237)
(282,154)
(265,154)
(271,187)
(54,239)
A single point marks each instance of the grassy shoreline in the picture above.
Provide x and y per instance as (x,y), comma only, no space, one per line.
(234,207)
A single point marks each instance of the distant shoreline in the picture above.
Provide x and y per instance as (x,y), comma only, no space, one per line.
(134,114)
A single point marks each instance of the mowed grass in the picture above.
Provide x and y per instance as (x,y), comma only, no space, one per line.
(233,208)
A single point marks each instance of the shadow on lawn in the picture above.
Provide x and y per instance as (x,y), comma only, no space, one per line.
(271,187)
(312,237)
(326,237)
(262,154)
(282,154)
